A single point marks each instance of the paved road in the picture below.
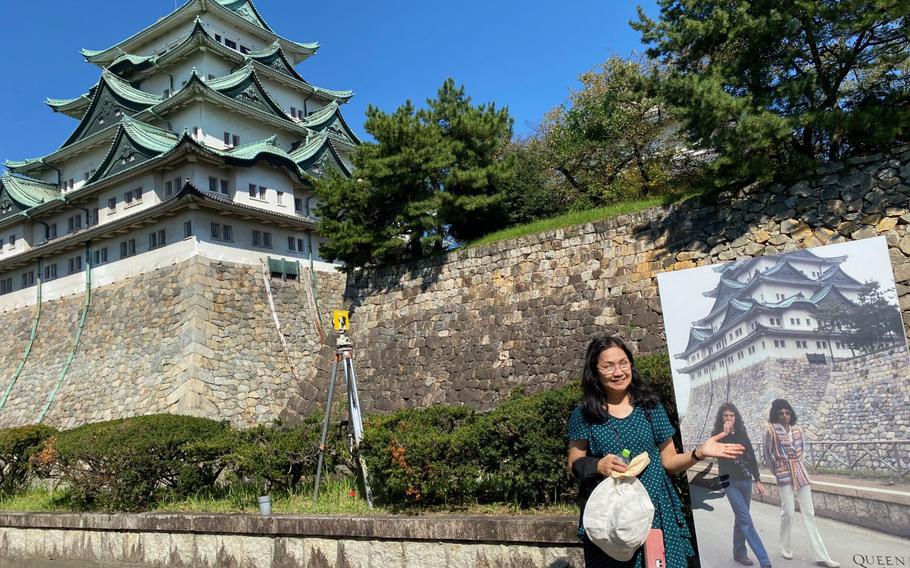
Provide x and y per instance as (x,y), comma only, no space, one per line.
(850,545)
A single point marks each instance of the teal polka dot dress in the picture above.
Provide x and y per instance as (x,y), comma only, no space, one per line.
(638,435)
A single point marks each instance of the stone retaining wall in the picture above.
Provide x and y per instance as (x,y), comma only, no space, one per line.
(241,541)
(195,338)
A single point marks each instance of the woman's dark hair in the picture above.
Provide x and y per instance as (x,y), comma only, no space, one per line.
(594,402)
(738,424)
(778,405)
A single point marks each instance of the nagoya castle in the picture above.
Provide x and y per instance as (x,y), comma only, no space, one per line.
(164,258)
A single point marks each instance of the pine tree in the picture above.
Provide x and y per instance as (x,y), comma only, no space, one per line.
(776,86)
(433,176)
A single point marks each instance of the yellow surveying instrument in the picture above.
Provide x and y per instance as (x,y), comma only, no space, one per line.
(344,354)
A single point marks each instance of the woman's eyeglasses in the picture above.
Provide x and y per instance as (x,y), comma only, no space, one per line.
(611,367)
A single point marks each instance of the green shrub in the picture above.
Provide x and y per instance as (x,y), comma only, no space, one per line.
(278,456)
(17,448)
(127,464)
(412,457)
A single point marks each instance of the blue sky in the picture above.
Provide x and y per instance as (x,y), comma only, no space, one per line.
(526,55)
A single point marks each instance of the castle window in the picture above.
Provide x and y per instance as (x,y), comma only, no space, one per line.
(244,49)
(101,256)
(300,245)
(252,190)
(168,188)
(50,271)
(294,112)
(187,229)
(802,344)
(156,239)
(112,204)
(261,192)
(134,195)
(821,344)
(6,285)
(808,321)
(224,187)
(12,241)
(298,205)
(292,244)
(780,297)
(230,43)
(213,183)
(739,355)
(262,239)
(218,38)
(74,265)
(222,232)
(52,231)
(74,223)
(28,278)
(127,248)
(94,219)
(177,185)
(279,200)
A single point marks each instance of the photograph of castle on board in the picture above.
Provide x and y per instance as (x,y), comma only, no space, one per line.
(801,358)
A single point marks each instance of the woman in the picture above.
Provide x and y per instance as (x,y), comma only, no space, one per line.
(741,471)
(783,445)
(620,412)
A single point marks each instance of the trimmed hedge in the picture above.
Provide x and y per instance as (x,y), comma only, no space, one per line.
(126,464)
(18,446)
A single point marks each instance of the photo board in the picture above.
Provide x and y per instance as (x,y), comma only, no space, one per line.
(820,329)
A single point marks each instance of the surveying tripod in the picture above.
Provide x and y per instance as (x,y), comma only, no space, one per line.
(344,353)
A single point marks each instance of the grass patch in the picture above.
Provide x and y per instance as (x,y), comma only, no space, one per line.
(334,499)
(36,500)
(577,218)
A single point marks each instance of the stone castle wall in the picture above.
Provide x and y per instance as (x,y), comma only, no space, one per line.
(470,327)
(194,338)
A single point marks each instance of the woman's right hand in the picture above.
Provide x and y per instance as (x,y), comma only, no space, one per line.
(610,463)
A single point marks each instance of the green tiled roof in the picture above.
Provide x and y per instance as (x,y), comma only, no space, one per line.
(242,9)
(229,85)
(310,154)
(323,118)
(245,10)
(127,91)
(27,191)
(149,136)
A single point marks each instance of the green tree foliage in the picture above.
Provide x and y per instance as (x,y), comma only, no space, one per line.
(611,141)
(17,448)
(434,175)
(773,86)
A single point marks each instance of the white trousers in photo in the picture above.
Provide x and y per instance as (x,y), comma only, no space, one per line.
(819,553)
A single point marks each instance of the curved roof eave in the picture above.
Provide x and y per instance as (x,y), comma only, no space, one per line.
(28,192)
(104,57)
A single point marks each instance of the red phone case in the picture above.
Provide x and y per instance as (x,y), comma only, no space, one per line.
(655,556)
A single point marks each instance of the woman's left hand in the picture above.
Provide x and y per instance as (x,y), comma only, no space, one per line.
(713,448)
